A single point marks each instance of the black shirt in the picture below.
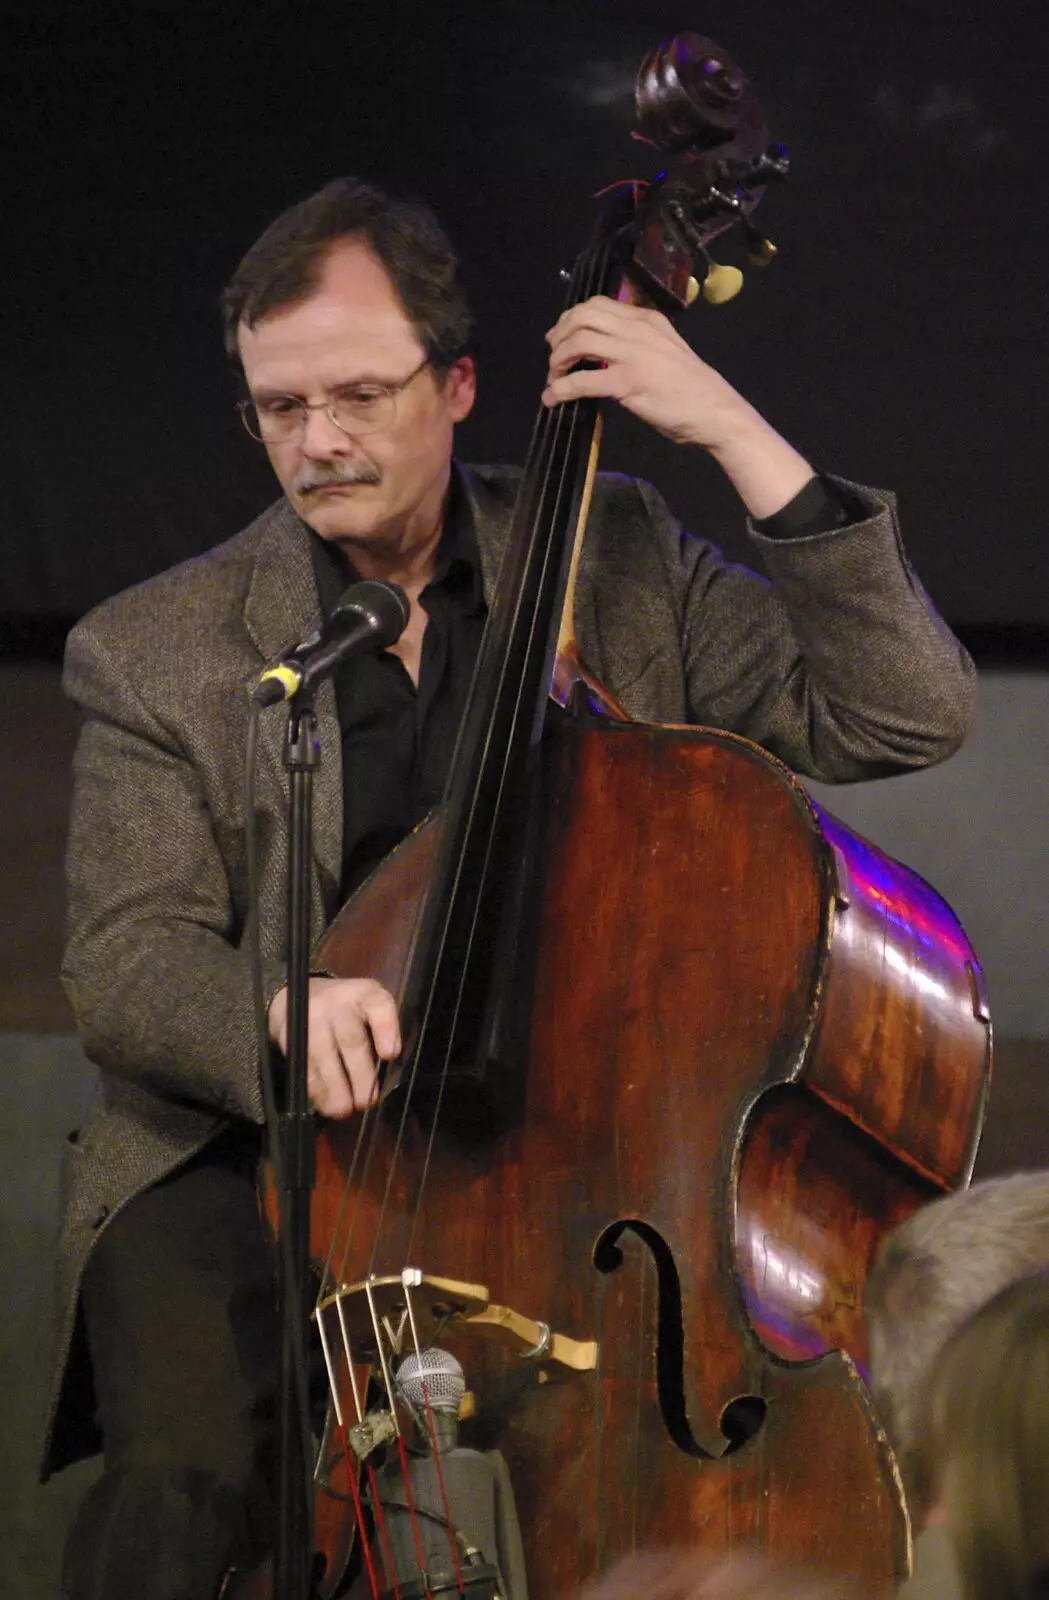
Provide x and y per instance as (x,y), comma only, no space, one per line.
(397,740)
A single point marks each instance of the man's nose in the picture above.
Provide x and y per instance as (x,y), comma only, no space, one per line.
(321,437)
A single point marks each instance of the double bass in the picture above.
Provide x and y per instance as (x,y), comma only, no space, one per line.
(679,1049)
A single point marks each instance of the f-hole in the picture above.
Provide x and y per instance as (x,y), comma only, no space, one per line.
(743,1418)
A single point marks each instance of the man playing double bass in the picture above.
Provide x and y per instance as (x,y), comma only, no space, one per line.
(351,329)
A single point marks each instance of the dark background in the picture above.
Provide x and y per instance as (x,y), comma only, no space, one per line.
(898,338)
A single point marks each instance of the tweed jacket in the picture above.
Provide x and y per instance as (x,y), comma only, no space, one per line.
(839,666)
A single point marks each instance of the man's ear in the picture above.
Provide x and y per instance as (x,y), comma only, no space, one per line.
(460,388)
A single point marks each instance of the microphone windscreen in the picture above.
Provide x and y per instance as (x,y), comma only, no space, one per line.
(385,604)
(442,1375)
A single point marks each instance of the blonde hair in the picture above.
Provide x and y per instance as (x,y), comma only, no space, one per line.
(698,1575)
(932,1274)
(983,1446)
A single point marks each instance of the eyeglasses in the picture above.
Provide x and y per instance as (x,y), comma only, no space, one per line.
(358,408)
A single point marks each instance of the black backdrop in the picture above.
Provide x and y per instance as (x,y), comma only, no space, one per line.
(899,337)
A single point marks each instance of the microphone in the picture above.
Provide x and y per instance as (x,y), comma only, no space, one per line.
(438,1372)
(485,1528)
(368,617)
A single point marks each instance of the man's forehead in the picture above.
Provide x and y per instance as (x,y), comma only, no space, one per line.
(351,271)
(353,313)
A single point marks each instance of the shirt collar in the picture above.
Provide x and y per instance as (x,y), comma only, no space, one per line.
(458,568)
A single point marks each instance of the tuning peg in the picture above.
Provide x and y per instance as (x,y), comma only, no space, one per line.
(760,251)
(721,284)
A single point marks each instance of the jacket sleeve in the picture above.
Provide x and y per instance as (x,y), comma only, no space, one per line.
(840,665)
(159,987)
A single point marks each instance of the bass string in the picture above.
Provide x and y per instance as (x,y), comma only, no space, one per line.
(435,1450)
(332,1282)
(588,277)
(562,423)
(426,1422)
(552,425)
(329,1280)
(335,1281)
(557,431)
(351,1465)
(373,1484)
(552,440)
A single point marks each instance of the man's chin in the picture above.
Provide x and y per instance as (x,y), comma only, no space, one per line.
(338,514)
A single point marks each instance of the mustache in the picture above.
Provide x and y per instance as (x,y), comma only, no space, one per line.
(322,474)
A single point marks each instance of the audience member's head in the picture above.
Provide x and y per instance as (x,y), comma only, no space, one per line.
(693,1575)
(932,1274)
(981,1455)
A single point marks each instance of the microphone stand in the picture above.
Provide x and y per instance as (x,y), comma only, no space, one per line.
(370,616)
(293,1552)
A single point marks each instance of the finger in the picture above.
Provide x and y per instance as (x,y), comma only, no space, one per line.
(619,345)
(593,383)
(365,1029)
(604,313)
(362,1012)
(379,1009)
(333,1096)
(342,1081)
(362,1080)
(329,1085)
(277,1020)
(587,344)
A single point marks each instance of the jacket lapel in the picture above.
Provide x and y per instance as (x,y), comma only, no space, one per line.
(280,608)
(490,509)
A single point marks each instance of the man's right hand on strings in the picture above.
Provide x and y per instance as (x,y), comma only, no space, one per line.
(353,1025)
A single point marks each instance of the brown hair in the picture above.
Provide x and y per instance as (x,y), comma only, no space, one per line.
(283,266)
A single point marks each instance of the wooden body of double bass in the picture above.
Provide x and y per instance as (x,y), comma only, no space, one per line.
(739,1044)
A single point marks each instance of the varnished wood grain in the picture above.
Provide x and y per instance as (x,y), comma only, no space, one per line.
(680,1087)
(902,1047)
